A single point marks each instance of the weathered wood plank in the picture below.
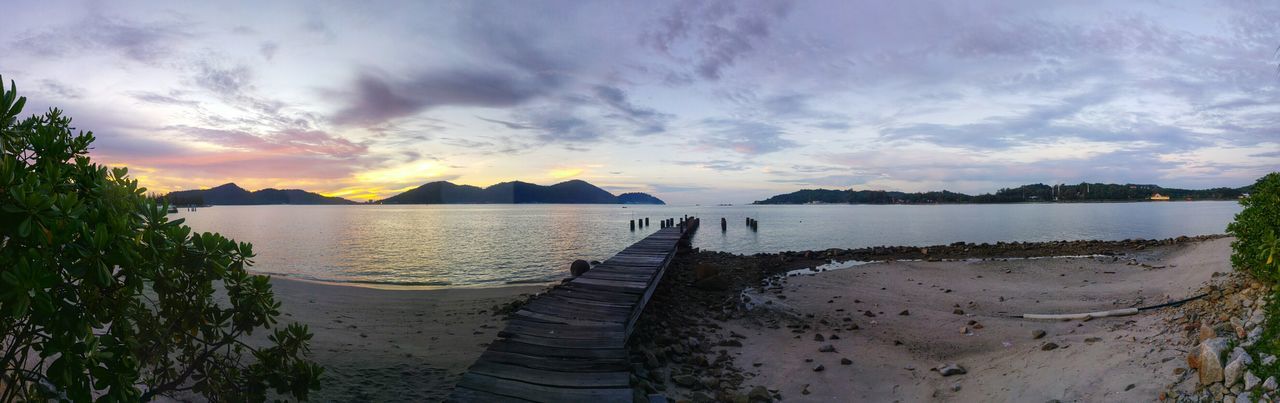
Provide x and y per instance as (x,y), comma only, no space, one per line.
(615,379)
(599,342)
(561,331)
(555,363)
(540,393)
(602,354)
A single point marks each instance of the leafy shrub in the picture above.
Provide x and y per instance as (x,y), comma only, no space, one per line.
(103,297)
(1256,249)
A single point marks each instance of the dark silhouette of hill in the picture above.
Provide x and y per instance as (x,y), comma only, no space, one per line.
(570,192)
(1039,192)
(230,194)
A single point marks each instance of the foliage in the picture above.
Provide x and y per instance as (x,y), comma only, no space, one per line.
(103,297)
(1256,249)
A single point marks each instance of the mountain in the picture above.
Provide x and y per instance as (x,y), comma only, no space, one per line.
(638,198)
(230,194)
(1038,192)
(570,192)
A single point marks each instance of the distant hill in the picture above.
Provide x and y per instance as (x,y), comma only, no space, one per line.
(638,198)
(1027,193)
(571,192)
(230,194)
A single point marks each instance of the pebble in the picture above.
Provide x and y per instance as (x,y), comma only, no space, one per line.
(819,368)
(904,313)
(1037,334)
(818,337)
(1270,383)
(827,348)
(846,361)
(952,369)
(1049,346)
(1251,381)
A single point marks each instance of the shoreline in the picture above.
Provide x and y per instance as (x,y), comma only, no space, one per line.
(887,330)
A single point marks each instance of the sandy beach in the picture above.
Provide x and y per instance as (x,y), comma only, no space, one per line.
(393,344)
(879,331)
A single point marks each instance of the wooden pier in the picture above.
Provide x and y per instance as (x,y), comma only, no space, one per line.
(570,344)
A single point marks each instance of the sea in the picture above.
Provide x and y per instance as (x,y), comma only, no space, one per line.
(491,245)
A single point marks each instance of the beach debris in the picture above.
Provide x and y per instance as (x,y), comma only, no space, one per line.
(579,267)
(951,369)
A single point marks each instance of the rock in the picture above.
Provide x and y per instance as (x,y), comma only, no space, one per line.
(1251,381)
(760,394)
(952,369)
(904,313)
(651,361)
(730,343)
(818,337)
(1206,332)
(579,267)
(1209,358)
(1037,334)
(699,397)
(711,382)
(1235,369)
(1268,359)
(846,361)
(685,380)
(1238,326)
(716,283)
(958,312)
(827,348)
(964,330)
(1049,346)
(1270,383)
(955,387)
(819,368)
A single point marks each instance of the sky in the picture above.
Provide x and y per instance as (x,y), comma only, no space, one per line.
(694,102)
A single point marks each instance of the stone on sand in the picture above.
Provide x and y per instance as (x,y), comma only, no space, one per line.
(1209,359)
(952,369)
(1036,334)
(1235,369)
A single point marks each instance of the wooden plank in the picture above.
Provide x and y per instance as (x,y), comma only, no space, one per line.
(549,318)
(540,393)
(596,343)
(464,394)
(641,285)
(579,311)
(561,331)
(587,293)
(555,363)
(615,379)
(573,300)
(603,288)
(604,354)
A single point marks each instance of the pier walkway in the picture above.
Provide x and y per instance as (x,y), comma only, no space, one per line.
(570,344)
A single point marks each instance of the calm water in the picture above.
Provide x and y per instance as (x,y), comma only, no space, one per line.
(497,244)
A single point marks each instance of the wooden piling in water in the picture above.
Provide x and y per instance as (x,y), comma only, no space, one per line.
(633,225)
(724,224)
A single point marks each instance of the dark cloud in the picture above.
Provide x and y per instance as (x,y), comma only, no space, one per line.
(509,125)
(268,50)
(377,99)
(147,42)
(173,98)
(60,90)
(745,137)
(723,32)
(646,120)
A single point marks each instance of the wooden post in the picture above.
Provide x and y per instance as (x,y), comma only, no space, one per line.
(724,224)
(633,225)
(646,221)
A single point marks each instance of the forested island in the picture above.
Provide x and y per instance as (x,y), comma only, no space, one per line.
(517,192)
(1039,192)
(231,195)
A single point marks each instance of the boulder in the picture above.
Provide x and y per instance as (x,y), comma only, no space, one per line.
(1251,381)
(1235,368)
(1270,383)
(760,394)
(1209,358)
(579,267)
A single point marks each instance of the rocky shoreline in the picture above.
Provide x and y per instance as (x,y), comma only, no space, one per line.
(1219,329)
(681,349)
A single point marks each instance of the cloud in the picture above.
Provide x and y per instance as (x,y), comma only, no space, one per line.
(268,50)
(720,32)
(717,165)
(376,99)
(647,121)
(61,90)
(146,42)
(744,136)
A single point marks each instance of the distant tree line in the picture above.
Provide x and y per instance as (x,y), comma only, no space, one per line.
(1038,192)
